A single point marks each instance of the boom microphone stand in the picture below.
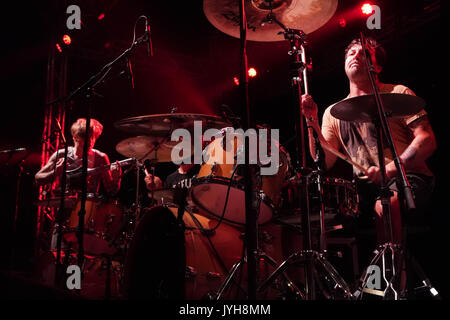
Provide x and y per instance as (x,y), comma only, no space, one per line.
(88,90)
(388,252)
(310,258)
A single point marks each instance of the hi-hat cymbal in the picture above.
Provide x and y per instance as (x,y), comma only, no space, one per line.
(305,15)
(364,108)
(162,125)
(145,147)
(165,196)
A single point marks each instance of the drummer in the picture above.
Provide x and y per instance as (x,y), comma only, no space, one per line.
(413,138)
(52,171)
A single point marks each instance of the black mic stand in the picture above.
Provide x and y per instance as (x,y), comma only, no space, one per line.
(391,254)
(307,257)
(61,215)
(88,89)
(250,171)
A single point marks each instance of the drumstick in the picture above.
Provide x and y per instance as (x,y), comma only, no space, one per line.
(344,157)
(327,146)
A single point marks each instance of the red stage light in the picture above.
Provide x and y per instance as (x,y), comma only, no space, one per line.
(58,47)
(252,72)
(366,8)
(66,39)
(101,16)
(342,22)
(236,80)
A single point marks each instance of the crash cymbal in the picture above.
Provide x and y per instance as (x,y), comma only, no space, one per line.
(305,15)
(162,125)
(146,147)
(364,108)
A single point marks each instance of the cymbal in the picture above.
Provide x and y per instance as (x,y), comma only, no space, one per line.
(364,108)
(162,125)
(146,147)
(167,196)
(305,15)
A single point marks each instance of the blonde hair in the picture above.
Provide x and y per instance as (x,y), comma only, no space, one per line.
(78,128)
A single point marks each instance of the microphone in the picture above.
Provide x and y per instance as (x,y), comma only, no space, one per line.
(148,39)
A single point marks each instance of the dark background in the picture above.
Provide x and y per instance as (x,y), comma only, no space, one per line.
(192,69)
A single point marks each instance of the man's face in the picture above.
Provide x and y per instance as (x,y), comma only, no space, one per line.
(355,66)
(80,141)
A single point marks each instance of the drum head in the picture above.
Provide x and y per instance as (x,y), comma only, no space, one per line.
(155,264)
(211,196)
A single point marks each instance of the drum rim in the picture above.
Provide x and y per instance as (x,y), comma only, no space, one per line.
(234,184)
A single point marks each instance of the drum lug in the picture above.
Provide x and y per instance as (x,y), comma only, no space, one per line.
(191,272)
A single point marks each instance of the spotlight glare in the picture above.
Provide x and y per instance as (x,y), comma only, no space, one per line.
(66,39)
(252,72)
(366,8)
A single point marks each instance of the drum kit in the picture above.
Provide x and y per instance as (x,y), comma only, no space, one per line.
(192,246)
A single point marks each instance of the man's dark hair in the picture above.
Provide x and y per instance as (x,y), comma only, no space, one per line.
(380,53)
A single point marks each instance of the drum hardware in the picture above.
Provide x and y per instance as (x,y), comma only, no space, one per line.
(308,257)
(392,255)
(217,295)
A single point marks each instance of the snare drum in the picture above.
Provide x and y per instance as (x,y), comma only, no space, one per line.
(102,224)
(215,180)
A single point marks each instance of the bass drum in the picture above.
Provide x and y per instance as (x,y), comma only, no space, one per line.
(216,185)
(166,262)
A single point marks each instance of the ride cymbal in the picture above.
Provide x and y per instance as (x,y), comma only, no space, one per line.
(305,15)
(145,147)
(162,125)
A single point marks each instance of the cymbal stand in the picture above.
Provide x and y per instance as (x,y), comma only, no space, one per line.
(391,254)
(260,256)
(308,257)
(251,193)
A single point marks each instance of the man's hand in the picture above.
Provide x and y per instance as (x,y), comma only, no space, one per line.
(116,171)
(153,182)
(309,108)
(374,173)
